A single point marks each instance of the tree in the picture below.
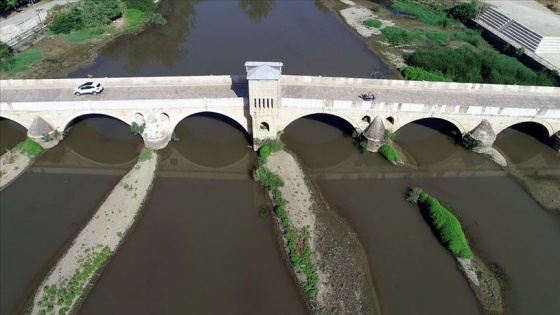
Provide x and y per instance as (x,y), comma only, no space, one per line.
(5,52)
(257,9)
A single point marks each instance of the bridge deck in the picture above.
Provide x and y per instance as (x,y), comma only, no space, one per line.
(115,93)
(446,97)
(387,95)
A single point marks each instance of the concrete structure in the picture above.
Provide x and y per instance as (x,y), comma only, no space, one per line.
(525,24)
(266,102)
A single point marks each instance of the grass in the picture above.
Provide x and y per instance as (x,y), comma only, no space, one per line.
(134,17)
(29,148)
(268,147)
(396,35)
(465,64)
(472,37)
(425,15)
(84,34)
(440,38)
(372,23)
(448,226)
(21,62)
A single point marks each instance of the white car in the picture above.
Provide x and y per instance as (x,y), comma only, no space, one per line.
(89,88)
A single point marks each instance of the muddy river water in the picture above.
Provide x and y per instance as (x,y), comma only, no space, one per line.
(200,245)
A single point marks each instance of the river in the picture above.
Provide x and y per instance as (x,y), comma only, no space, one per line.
(200,245)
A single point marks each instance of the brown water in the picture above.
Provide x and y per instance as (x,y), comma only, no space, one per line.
(11,133)
(408,263)
(200,246)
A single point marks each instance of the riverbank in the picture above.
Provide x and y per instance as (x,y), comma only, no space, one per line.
(76,270)
(344,285)
(64,53)
(14,162)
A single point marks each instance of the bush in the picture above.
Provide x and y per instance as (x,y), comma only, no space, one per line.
(146,6)
(372,23)
(414,194)
(418,74)
(464,11)
(100,12)
(267,178)
(450,231)
(396,35)
(275,145)
(389,153)
(137,129)
(6,52)
(264,153)
(67,22)
(145,155)
(485,66)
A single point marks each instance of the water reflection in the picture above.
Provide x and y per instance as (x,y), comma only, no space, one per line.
(11,133)
(218,37)
(219,140)
(256,10)
(98,139)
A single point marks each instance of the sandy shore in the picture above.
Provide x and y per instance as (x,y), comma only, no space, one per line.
(356,15)
(76,269)
(12,165)
(340,258)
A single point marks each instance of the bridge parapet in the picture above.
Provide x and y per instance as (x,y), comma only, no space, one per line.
(421,85)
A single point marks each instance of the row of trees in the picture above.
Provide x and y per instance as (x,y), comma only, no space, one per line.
(86,14)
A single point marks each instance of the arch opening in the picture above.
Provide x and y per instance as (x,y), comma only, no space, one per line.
(164,118)
(366,119)
(211,139)
(391,120)
(525,142)
(264,126)
(102,139)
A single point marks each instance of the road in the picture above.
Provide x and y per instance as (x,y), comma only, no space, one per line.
(30,13)
(387,95)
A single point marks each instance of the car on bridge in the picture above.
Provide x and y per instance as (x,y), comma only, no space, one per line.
(88,88)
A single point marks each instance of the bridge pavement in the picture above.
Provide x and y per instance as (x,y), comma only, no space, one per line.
(387,95)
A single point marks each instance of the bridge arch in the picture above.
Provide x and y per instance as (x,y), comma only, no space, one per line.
(68,122)
(176,119)
(16,120)
(403,122)
(518,122)
(293,117)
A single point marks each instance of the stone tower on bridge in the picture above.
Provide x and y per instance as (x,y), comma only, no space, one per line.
(264,97)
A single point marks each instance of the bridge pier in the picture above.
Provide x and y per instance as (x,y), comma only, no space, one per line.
(43,133)
(375,135)
(156,134)
(483,136)
(556,141)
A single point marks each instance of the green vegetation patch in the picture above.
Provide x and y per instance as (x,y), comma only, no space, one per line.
(439,38)
(146,6)
(145,155)
(396,35)
(64,293)
(84,34)
(389,153)
(372,23)
(268,147)
(442,220)
(425,15)
(86,14)
(20,62)
(134,18)
(472,37)
(29,148)
(419,74)
(464,64)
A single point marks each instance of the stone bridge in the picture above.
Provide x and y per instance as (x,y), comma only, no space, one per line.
(264,102)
